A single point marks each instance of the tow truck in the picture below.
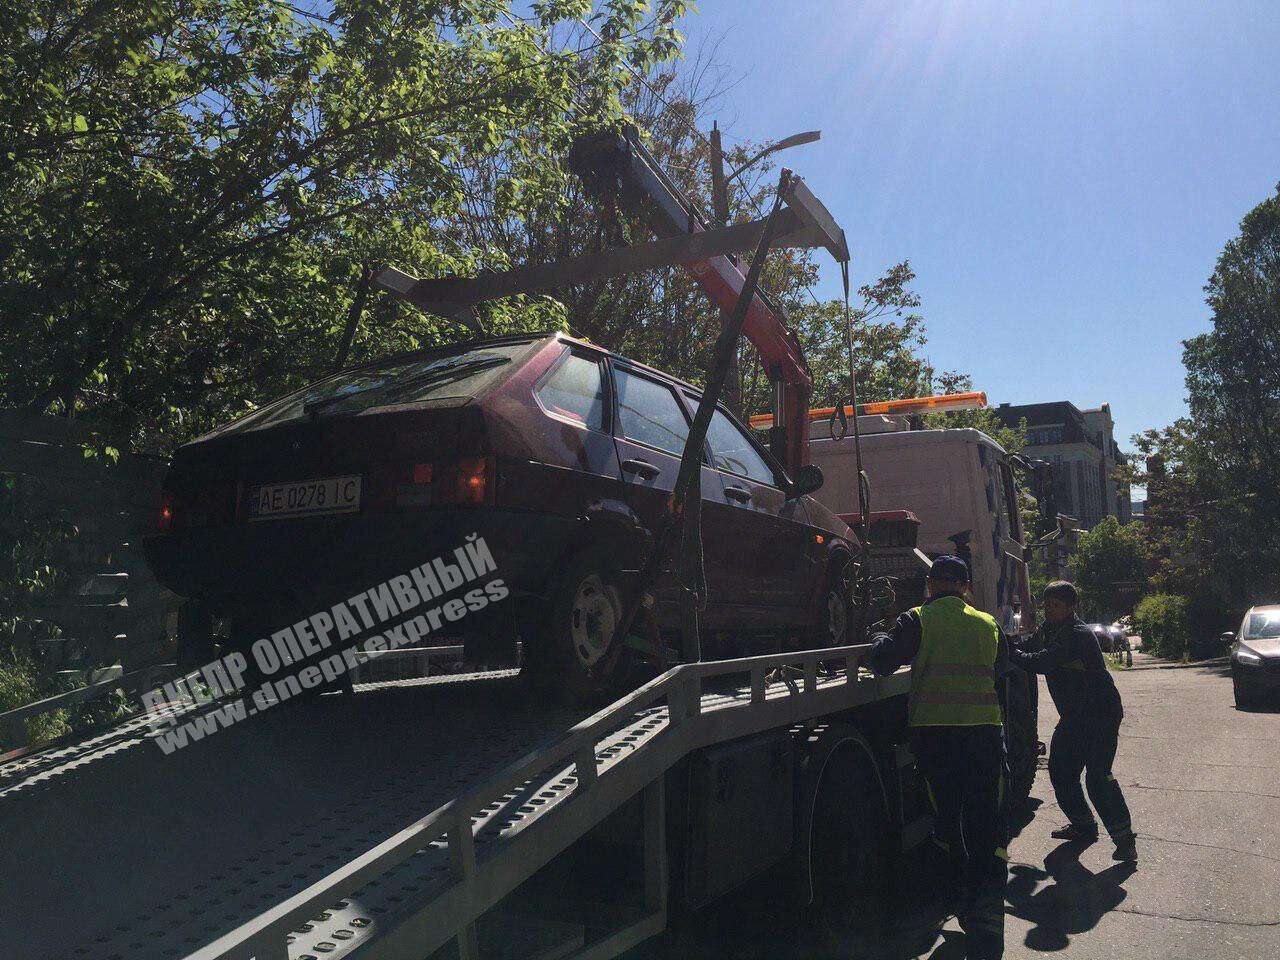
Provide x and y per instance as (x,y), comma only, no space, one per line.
(455,815)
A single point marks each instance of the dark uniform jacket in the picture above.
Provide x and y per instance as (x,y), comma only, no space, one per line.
(900,645)
(1072,664)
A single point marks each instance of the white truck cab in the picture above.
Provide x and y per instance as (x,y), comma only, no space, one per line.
(961,487)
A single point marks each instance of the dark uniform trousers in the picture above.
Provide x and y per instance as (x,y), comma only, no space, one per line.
(953,713)
(963,766)
(1088,745)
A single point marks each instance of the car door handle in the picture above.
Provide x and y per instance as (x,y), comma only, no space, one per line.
(642,467)
(740,494)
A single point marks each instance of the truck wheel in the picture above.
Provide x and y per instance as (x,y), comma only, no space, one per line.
(570,655)
(1021,735)
(846,836)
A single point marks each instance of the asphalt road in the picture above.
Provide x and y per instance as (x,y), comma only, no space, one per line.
(1203,784)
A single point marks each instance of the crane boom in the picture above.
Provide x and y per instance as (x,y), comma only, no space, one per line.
(617,165)
(617,168)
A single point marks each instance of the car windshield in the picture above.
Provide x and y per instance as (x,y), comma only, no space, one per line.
(1263,625)
(461,374)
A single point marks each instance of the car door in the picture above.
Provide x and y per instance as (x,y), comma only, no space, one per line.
(756,536)
(651,427)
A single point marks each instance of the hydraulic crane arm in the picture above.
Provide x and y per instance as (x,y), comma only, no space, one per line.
(618,168)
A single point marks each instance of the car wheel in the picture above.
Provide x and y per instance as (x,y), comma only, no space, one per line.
(835,613)
(1246,699)
(573,654)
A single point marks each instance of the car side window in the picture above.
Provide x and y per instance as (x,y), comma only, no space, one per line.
(732,452)
(574,391)
(649,413)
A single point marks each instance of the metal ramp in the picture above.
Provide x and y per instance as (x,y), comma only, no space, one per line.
(429,883)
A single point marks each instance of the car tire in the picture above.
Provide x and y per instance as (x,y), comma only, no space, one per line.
(835,612)
(569,657)
(1246,699)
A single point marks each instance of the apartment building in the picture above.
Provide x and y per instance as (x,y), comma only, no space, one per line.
(1081,445)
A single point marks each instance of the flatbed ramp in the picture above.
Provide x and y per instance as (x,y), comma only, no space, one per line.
(300,834)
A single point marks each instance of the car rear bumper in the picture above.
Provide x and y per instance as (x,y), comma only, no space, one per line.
(326,558)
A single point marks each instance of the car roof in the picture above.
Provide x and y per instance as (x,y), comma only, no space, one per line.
(639,365)
(531,337)
(1265,608)
(458,347)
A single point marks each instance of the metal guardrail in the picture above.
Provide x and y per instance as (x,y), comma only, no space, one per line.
(13,722)
(689,721)
(414,659)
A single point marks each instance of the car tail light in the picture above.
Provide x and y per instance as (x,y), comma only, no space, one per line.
(467,481)
(168,503)
(471,481)
(202,507)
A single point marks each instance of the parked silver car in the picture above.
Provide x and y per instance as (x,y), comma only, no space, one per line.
(1255,656)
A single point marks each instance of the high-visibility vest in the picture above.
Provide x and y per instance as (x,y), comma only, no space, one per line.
(953,675)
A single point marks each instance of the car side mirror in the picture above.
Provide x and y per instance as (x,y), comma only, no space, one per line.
(1228,637)
(807,479)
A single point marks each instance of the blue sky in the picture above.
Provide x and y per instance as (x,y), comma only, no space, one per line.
(1062,175)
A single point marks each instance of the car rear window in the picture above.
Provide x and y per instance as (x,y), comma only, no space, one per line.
(437,377)
(575,392)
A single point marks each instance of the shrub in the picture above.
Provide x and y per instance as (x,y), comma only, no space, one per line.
(18,687)
(1207,619)
(1161,620)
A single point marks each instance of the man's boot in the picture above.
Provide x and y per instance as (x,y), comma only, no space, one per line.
(1076,834)
(1126,849)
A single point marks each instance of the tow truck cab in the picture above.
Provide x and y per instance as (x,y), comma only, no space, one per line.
(960,485)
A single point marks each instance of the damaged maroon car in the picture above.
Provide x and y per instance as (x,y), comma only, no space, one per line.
(560,454)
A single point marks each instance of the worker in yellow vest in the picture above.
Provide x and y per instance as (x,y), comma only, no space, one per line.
(957,656)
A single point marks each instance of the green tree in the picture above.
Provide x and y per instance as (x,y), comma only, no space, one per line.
(1169,466)
(189,188)
(1233,393)
(1109,566)
(1161,620)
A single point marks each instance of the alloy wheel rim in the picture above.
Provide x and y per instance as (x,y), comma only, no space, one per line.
(837,621)
(593,618)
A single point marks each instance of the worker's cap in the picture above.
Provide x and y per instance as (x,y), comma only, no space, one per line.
(950,569)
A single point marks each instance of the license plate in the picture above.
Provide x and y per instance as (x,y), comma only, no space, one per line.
(273,501)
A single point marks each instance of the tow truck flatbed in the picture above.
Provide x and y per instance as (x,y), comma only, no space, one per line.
(333,829)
